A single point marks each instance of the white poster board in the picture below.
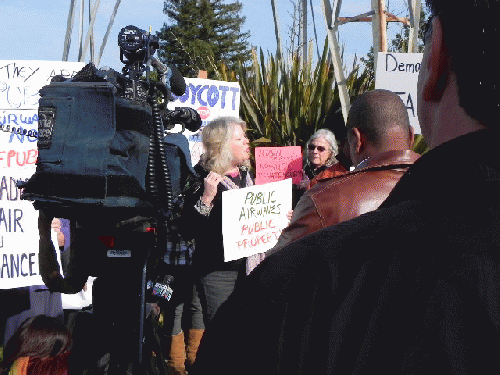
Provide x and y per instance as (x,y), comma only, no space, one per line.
(253,218)
(211,99)
(20,82)
(398,72)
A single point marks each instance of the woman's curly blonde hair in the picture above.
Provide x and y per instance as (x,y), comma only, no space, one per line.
(216,138)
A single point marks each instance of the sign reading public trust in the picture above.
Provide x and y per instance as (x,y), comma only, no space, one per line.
(398,72)
(20,82)
(253,218)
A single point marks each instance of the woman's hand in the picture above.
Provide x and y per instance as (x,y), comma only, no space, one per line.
(210,188)
(289,215)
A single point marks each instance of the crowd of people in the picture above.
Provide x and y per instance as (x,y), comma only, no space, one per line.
(390,262)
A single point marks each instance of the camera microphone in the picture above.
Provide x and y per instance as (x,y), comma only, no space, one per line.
(176,80)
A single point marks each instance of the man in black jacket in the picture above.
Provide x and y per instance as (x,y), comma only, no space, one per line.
(413,287)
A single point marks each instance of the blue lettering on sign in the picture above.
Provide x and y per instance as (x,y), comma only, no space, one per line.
(212,96)
(209,95)
(11,123)
(202,102)
(18,96)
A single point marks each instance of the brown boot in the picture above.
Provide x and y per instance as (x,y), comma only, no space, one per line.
(193,342)
(177,355)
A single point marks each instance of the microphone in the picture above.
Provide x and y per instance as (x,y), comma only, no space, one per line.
(163,289)
(189,118)
(175,79)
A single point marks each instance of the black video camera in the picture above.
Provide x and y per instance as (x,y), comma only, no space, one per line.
(101,137)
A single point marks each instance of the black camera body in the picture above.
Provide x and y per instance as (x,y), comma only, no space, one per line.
(101,138)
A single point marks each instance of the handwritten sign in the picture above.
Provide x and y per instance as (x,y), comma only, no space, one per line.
(253,218)
(211,99)
(398,72)
(277,164)
(20,82)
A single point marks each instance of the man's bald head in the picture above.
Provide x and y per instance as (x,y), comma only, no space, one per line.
(378,122)
(379,114)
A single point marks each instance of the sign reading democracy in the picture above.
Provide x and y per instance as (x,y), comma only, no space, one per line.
(211,99)
(20,82)
(398,72)
(253,218)
(278,163)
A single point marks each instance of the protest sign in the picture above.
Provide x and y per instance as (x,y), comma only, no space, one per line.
(398,72)
(20,82)
(253,218)
(211,99)
(278,163)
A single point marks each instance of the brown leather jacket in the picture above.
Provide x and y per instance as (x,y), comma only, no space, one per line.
(347,196)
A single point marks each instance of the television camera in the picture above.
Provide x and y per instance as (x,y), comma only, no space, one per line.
(103,164)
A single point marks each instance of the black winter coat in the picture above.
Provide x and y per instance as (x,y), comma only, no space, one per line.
(411,288)
(207,231)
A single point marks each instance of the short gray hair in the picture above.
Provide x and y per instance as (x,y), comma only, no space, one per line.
(329,137)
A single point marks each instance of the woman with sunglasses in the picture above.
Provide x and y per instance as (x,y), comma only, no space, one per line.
(319,154)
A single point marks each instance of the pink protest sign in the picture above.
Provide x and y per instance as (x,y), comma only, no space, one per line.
(277,164)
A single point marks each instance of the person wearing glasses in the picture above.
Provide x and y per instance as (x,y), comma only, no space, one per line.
(320,153)
(379,140)
(414,286)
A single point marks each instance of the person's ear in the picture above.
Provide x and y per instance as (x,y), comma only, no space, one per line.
(359,141)
(411,137)
(436,67)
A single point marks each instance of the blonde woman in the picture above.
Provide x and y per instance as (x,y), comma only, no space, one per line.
(224,165)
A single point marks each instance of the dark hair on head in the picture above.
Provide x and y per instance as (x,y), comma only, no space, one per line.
(471,30)
(45,341)
(374,112)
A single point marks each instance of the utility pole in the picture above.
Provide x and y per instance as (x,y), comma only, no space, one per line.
(303,28)
(83,45)
(379,17)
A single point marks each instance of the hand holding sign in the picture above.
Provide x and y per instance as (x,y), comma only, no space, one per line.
(253,218)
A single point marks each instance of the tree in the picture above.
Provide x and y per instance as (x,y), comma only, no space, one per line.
(203,32)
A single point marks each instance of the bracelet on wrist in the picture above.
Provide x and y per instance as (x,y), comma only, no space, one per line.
(202,208)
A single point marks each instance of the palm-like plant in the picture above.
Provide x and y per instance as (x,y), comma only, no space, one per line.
(284,102)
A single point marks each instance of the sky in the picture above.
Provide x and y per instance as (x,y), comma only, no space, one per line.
(35,29)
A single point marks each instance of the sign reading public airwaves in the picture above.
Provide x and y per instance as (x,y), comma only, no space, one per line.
(398,72)
(20,82)
(253,218)
(211,99)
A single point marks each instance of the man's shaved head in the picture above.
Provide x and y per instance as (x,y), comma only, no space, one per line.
(377,112)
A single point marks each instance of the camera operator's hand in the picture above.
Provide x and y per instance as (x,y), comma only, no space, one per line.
(47,257)
(210,188)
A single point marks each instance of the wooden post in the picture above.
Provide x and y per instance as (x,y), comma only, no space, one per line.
(414,7)
(80,31)
(91,28)
(69,30)
(110,25)
(304,33)
(336,59)
(379,29)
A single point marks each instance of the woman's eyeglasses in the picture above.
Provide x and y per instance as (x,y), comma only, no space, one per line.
(312,147)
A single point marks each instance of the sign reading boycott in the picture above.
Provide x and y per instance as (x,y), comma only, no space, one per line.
(211,99)
(253,218)
(20,82)
(398,72)
(278,163)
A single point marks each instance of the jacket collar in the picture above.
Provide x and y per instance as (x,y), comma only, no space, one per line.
(388,159)
(451,170)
